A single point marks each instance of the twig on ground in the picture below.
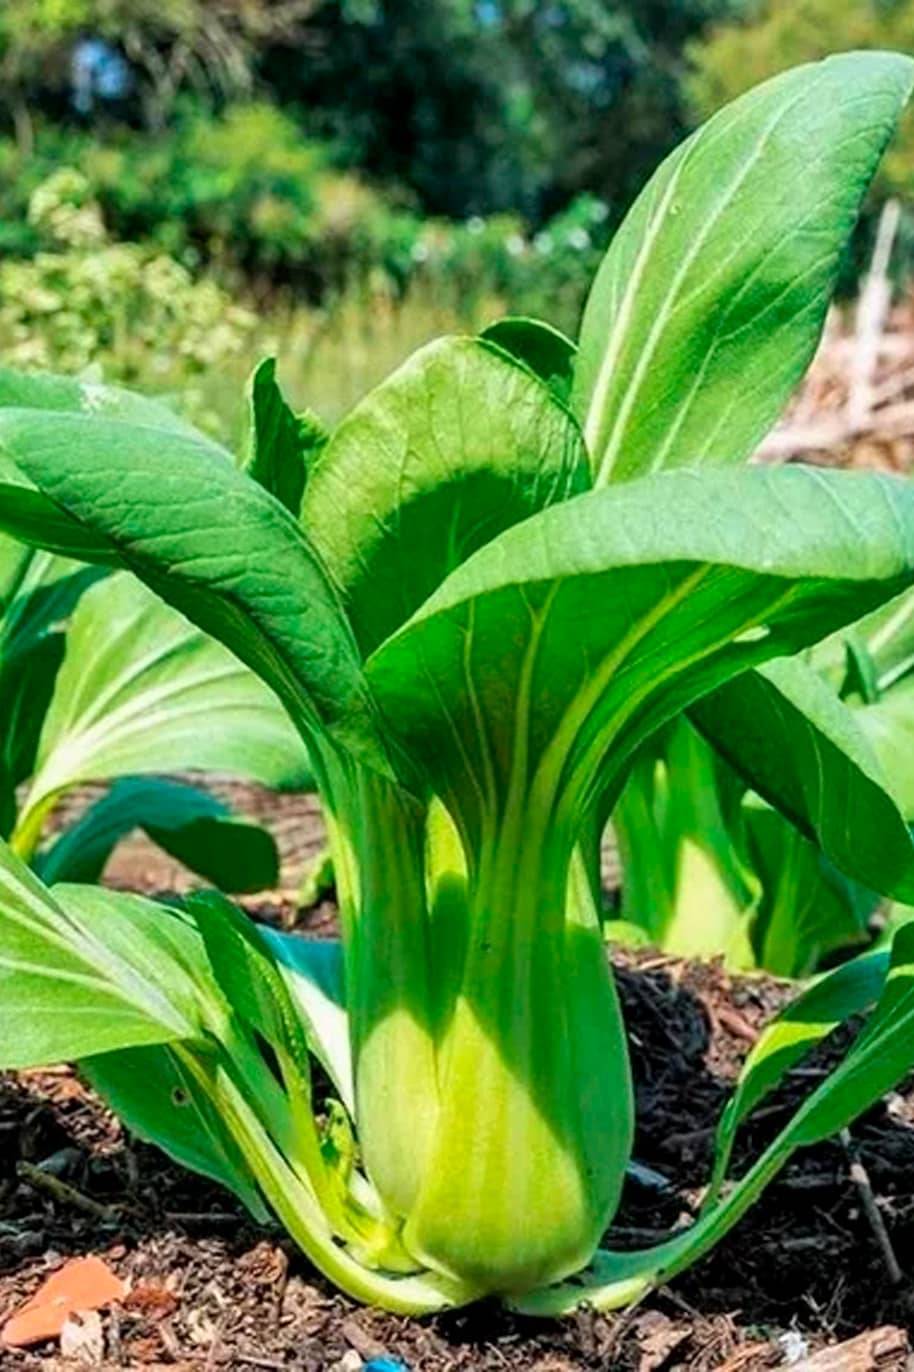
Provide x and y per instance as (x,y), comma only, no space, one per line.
(63,1192)
(860,1177)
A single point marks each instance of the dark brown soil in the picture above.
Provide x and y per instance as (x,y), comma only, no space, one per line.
(209,1290)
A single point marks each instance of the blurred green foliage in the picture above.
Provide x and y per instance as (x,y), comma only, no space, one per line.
(125,311)
(487,105)
(246,194)
(472,106)
(359,174)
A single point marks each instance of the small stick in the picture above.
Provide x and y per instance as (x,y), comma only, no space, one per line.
(63,1192)
(279,1295)
(860,1177)
(217,1218)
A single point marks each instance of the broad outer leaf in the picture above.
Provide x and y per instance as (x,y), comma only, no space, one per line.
(162,1103)
(282,444)
(141,690)
(457,445)
(599,619)
(214,544)
(790,737)
(31,515)
(86,971)
(190,824)
(709,304)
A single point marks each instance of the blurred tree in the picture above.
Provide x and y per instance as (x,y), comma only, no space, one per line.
(209,45)
(415,91)
(607,80)
(481,105)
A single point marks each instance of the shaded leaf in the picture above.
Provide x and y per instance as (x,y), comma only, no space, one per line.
(283,445)
(141,690)
(789,736)
(86,971)
(162,1103)
(545,350)
(190,824)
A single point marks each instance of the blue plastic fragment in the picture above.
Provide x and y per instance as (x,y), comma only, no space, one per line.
(385,1365)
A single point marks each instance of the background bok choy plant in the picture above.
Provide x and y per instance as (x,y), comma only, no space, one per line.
(712,868)
(99,681)
(478,598)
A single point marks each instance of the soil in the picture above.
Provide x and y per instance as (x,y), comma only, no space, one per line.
(211,1290)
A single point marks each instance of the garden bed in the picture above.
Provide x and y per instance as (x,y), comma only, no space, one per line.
(209,1289)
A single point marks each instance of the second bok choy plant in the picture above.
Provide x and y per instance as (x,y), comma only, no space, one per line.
(711,868)
(510,565)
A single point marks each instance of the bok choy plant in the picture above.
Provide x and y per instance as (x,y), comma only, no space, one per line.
(710,869)
(505,570)
(100,681)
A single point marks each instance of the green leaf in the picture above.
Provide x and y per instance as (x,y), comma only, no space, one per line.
(32,515)
(887,638)
(709,304)
(318,879)
(141,690)
(806,909)
(188,823)
(313,972)
(599,619)
(889,729)
(463,443)
(860,672)
(545,350)
(283,445)
(832,998)
(791,739)
(25,694)
(161,1102)
(211,542)
(244,965)
(245,969)
(86,971)
(37,594)
(67,394)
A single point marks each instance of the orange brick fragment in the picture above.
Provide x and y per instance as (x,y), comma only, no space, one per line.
(81,1284)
